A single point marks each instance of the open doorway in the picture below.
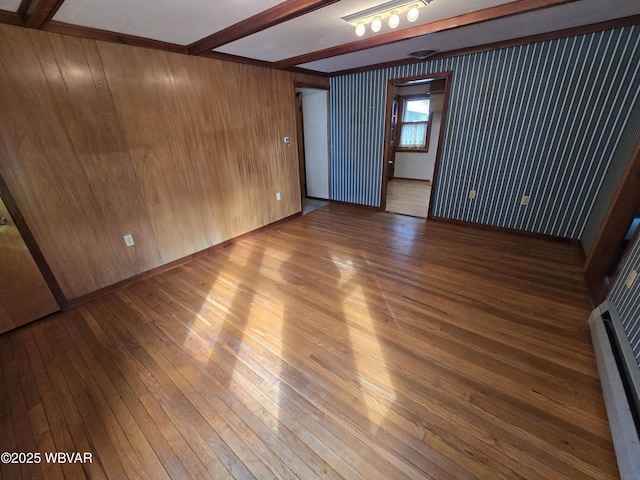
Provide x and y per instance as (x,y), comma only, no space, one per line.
(313,146)
(625,244)
(416,111)
(618,230)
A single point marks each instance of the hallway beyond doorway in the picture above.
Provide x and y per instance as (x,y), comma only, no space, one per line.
(408,197)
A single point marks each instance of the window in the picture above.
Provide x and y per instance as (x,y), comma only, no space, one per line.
(414,127)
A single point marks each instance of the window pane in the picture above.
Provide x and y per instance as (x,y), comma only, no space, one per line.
(413,135)
(416,110)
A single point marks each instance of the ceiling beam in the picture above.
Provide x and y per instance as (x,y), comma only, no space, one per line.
(273,16)
(515,42)
(39,12)
(22,9)
(486,14)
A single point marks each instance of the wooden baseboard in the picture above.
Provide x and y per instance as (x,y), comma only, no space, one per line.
(317,198)
(514,231)
(76,302)
(356,205)
(414,179)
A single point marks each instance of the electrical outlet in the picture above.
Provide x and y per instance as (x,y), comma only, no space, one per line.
(525,200)
(128,240)
(631,278)
(472,194)
(277,195)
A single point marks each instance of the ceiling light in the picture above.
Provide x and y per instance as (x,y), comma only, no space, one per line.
(394,20)
(389,11)
(413,14)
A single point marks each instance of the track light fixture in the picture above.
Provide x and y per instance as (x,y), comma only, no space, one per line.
(390,10)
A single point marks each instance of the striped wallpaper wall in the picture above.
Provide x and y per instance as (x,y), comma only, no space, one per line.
(542,119)
(627,300)
(618,164)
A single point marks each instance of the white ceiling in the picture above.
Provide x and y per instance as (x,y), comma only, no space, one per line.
(182,22)
(561,17)
(10,5)
(187,21)
(325,28)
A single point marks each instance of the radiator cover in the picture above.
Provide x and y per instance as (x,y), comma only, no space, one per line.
(620,379)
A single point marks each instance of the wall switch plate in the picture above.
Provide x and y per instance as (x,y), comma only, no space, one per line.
(277,195)
(472,194)
(128,240)
(631,278)
(525,200)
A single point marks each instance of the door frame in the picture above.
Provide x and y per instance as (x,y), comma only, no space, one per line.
(447,76)
(32,246)
(622,209)
(300,142)
(302,166)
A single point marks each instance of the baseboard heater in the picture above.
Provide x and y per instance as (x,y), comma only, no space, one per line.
(620,378)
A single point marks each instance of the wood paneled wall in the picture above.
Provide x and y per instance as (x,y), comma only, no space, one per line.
(100,140)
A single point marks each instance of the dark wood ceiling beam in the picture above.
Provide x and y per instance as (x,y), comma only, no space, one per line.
(539,37)
(39,12)
(274,16)
(22,9)
(491,13)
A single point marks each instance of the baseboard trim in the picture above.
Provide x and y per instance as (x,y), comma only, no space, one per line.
(356,205)
(513,231)
(76,302)
(414,179)
(318,198)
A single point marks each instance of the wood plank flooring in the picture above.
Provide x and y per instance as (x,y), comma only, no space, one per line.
(343,344)
(408,197)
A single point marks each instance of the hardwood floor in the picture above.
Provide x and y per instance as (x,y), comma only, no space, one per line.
(408,197)
(343,344)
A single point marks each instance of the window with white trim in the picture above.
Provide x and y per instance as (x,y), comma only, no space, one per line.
(414,124)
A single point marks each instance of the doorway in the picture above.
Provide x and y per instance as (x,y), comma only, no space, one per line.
(414,127)
(24,293)
(312,121)
(618,230)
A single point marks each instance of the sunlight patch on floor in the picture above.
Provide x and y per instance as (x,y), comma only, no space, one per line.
(375,380)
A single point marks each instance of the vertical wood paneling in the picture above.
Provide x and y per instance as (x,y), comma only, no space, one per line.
(627,300)
(101,140)
(542,120)
(73,198)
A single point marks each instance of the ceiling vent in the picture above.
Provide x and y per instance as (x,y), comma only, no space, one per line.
(422,54)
